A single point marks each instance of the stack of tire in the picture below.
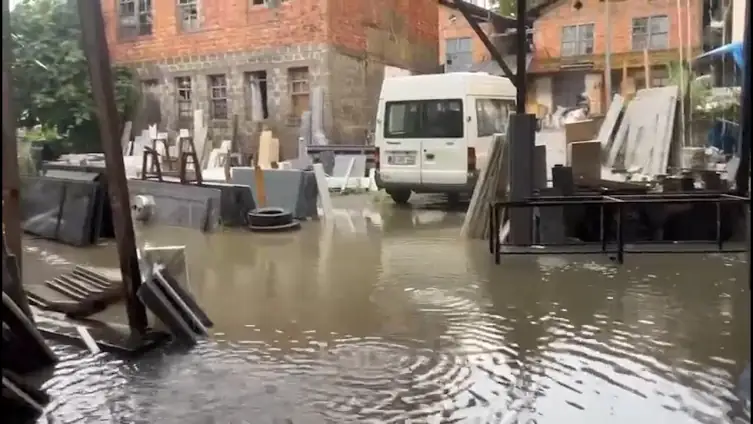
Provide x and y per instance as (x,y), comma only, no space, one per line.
(272,219)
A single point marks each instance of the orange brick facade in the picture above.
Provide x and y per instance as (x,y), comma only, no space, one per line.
(452,24)
(548,27)
(344,45)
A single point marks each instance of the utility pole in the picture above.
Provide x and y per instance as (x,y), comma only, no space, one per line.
(522,51)
(608,54)
(98,56)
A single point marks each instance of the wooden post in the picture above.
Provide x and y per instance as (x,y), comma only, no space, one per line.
(97,54)
(261,194)
(11,177)
(646,68)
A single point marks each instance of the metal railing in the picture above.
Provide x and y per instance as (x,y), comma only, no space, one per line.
(617,204)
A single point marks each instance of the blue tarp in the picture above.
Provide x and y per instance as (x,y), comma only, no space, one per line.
(735,49)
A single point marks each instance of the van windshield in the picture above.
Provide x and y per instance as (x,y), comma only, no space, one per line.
(424,119)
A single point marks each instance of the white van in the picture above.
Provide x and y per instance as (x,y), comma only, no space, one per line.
(433,132)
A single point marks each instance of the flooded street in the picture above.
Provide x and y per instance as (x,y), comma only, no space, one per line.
(388,317)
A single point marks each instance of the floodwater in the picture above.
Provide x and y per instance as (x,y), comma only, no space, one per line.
(387,317)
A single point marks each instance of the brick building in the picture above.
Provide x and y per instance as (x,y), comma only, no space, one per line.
(460,48)
(570,45)
(198,54)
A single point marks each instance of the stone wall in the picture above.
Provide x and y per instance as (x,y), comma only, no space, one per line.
(235,66)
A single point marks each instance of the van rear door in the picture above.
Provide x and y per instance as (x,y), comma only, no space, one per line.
(399,154)
(444,150)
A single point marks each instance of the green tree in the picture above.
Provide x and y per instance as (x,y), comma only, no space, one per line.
(505,7)
(51,83)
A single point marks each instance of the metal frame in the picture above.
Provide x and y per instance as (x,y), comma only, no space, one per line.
(617,246)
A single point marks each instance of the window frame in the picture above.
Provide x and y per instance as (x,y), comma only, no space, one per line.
(649,34)
(420,132)
(218,83)
(580,43)
(297,95)
(453,50)
(184,115)
(264,93)
(182,7)
(142,16)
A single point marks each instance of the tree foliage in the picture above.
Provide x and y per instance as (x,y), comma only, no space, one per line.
(51,76)
(505,7)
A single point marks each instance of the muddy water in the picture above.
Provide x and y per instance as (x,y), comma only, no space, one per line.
(386,317)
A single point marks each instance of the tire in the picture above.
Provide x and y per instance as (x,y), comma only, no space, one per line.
(269,217)
(400,197)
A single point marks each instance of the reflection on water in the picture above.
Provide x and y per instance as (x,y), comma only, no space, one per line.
(388,317)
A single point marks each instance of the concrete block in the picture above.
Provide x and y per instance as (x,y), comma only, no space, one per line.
(584,157)
(180,205)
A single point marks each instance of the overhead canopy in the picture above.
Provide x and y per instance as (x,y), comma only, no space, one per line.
(735,49)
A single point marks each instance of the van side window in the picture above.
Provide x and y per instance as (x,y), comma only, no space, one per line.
(492,116)
(424,119)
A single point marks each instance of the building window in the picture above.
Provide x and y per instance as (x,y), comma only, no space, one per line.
(577,40)
(492,116)
(150,84)
(135,18)
(188,10)
(459,54)
(651,33)
(185,104)
(298,79)
(256,82)
(218,96)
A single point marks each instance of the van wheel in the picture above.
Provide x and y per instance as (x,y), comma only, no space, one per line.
(400,197)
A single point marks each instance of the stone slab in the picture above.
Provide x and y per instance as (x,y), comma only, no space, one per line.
(63,205)
(78,213)
(522,142)
(40,205)
(584,159)
(290,189)
(236,201)
(342,162)
(181,205)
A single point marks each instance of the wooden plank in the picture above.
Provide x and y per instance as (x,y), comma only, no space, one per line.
(11,176)
(98,57)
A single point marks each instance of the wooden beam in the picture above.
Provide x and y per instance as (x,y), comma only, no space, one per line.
(97,54)
(11,177)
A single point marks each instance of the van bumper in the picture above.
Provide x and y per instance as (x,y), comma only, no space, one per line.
(468,187)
